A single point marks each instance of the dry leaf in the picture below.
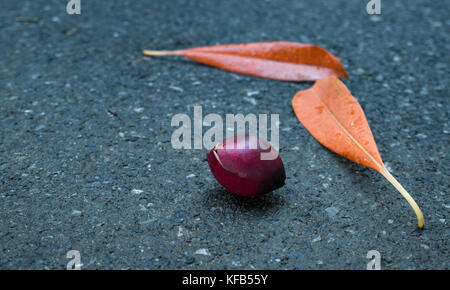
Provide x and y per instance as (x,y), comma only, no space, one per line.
(281,60)
(335,118)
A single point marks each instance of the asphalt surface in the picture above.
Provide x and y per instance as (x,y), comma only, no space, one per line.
(86,161)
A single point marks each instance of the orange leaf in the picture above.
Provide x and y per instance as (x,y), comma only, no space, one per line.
(281,60)
(335,118)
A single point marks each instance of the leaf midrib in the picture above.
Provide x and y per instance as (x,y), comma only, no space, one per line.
(347,132)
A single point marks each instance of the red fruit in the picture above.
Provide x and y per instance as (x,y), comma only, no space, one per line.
(237,165)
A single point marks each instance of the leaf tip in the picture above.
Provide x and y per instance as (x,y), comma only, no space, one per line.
(158,52)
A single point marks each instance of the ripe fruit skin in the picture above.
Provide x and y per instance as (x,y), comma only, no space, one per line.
(239,168)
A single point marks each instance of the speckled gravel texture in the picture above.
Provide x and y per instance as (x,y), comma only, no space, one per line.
(86,161)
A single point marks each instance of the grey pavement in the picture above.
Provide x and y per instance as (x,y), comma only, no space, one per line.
(86,161)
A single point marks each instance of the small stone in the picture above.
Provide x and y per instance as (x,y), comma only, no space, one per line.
(316,239)
(39,128)
(136,191)
(236,76)
(203,252)
(388,165)
(250,100)
(332,211)
(139,110)
(360,71)
(390,221)
(178,89)
(426,247)
(76,212)
(190,176)
(409,91)
(252,93)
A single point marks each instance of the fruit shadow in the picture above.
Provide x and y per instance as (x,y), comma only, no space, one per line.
(218,197)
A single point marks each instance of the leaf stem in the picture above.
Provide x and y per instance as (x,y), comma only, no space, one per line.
(405,194)
(159,52)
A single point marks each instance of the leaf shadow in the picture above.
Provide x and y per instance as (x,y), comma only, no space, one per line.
(362,179)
